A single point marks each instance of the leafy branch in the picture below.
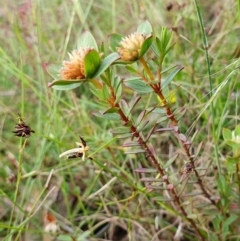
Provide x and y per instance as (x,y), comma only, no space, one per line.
(88,64)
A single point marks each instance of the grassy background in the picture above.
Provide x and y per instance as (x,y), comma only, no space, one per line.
(33,33)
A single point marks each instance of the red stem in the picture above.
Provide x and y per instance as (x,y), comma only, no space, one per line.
(150,156)
(184,143)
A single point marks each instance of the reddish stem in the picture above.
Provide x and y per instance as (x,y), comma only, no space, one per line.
(150,156)
(184,142)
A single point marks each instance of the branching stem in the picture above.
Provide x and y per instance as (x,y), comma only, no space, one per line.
(150,156)
(174,122)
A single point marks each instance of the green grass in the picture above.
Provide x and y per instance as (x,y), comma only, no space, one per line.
(103,198)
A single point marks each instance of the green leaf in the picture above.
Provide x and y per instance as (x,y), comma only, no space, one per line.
(66,87)
(83,236)
(224,187)
(163,42)
(145,170)
(170,161)
(64,237)
(136,151)
(108,116)
(86,40)
(105,63)
(65,84)
(115,40)
(145,46)
(145,28)
(157,110)
(227,134)
(132,104)
(140,118)
(237,130)
(130,144)
(231,164)
(131,69)
(120,130)
(216,222)
(54,70)
(169,68)
(159,120)
(150,133)
(91,63)
(124,136)
(170,77)
(142,126)
(168,49)
(124,106)
(96,91)
(163,199)
(105,79)
(233,144)
(159,45)
(138,85)
(230,167)
(232,160)
(102,48)
(118,93)
(165,37)
(116,82)
(105,92)
(155,50)
(111,110)
(230,220)
(192,194)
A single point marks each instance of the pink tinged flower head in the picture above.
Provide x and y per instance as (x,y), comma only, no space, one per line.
(130,46)
(74,67)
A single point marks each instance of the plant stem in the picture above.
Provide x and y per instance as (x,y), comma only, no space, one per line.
(145,66)
(150,156)
(205,46)
(184,142)
(19,176)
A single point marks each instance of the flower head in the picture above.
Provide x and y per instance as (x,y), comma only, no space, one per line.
(21,129)
(74,68)
(130,46)
(77,152)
